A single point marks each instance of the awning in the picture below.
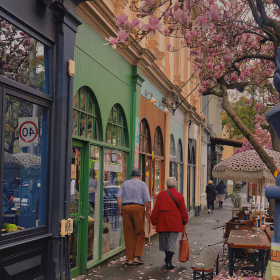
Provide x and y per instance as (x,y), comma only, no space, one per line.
(225,142)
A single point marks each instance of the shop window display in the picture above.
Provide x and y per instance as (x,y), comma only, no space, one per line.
(24,59)
(114,176)
(24,194)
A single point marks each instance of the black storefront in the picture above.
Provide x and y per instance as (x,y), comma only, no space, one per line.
(36,41)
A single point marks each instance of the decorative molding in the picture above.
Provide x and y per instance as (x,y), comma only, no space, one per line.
(119,6)
(177,80)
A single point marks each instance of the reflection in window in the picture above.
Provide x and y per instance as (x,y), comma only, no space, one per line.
(114,176)
(145,138)
(85,114)
(116,130)
(23,59)
(24,182)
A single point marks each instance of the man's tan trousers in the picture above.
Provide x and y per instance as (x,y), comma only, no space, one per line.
(134,231)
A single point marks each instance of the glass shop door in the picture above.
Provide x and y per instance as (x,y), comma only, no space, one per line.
(76,207)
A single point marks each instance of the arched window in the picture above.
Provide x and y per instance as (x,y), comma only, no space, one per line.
(179,151)
(116,132)
(85,114)
(158,143)
(145,137)
(172,146)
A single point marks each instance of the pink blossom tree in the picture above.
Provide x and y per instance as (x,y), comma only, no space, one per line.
(232,43)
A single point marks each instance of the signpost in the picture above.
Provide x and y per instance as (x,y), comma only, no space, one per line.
(28,132)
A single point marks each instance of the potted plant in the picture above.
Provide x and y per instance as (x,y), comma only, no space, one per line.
(236,198)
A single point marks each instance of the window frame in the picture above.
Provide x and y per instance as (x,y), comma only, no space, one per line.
(95,115)
(172,149)
(158,130)
(6,240)
(50,55)
(123,126)
(148,137)
(179,154)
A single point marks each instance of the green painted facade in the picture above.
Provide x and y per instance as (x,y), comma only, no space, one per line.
(103,70)
(113,81)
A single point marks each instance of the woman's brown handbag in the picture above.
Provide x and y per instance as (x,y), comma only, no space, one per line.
(184,253)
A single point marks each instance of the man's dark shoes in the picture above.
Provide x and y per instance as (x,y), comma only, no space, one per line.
(169,265)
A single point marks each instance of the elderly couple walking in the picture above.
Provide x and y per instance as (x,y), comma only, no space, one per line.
(169,217)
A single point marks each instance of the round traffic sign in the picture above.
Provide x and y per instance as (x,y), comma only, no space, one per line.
(28,131)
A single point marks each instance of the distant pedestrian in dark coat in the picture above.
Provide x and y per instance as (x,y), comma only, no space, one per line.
(211,195)
(169,220)
(221,193)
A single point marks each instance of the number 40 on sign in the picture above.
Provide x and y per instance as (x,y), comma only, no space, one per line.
(28,131)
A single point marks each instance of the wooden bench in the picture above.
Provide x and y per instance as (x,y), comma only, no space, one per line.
(203,266)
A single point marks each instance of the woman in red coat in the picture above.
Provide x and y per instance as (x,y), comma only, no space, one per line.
(169,218)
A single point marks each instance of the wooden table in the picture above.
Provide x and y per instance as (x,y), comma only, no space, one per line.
(241,241)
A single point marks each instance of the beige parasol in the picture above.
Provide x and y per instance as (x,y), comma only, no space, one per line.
(248,167)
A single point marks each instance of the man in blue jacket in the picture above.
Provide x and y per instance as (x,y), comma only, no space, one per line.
(221,193)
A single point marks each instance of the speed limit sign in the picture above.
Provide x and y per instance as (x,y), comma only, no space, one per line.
(28,131)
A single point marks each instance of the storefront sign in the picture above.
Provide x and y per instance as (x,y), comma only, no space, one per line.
(137,137)
(28,131)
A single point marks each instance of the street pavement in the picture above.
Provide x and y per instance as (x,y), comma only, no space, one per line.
(201,233)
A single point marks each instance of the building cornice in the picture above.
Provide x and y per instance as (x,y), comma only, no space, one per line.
(102,20)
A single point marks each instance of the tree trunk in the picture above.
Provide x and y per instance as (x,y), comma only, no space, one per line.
(245,131)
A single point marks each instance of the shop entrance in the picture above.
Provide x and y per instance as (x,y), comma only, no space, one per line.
(76,205)
(84,206)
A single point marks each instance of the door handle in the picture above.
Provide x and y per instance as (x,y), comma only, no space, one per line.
(82,218)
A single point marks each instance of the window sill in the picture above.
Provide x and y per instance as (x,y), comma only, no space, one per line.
(23,241)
